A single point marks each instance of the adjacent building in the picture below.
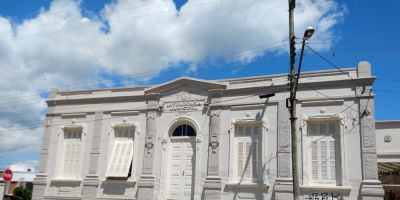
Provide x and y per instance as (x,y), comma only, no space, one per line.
(388,152)
(213,139)
(23,176)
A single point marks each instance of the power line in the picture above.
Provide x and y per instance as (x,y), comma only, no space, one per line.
(323,94)
(388,91)
(110,118)
(237,54)
(330,62)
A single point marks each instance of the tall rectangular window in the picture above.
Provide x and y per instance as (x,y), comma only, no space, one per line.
(247,147)
(120,161)
(323,151)
(71,159)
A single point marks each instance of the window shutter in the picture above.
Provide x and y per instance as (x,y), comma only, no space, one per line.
(75,157)
(248,147)
(314,160)
(247,160)
(324,160)
(255,158)
(248,131)
(239,132)
(71,159)
(313,129)
(67,159)
(332,160)
(322,129)
(332,128)
(240,159)
(121,158)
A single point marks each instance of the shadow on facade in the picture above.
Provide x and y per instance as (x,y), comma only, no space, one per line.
(256,191)
(119,187)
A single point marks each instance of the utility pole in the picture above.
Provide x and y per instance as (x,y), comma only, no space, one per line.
(291,101)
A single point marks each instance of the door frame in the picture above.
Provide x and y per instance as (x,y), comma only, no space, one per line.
(165,157)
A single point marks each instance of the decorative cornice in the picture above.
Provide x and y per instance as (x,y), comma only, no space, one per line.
(90,100)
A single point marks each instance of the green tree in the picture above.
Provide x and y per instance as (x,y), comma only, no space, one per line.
(23,193)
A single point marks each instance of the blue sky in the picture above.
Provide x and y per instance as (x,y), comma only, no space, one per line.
(55,44)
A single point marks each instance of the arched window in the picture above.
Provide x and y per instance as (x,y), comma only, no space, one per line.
(184,130)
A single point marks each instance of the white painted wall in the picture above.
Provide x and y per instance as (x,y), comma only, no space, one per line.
(334,98)
(388,140)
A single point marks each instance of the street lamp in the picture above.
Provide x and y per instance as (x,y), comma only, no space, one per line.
(291,102)
(308,33)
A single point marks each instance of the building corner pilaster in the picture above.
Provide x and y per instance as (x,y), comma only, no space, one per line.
(40,181)
(371,187)
(39,186)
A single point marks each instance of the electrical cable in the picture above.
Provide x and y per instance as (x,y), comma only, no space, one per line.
(237,54)
(111,118)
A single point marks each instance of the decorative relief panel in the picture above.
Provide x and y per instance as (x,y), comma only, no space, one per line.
(283,128)
(94,160)
(149,142)
(214,133)
(148,146)
(64,189)
(368,132)
(387,138)
(284,133)
(284,164)
(370,166)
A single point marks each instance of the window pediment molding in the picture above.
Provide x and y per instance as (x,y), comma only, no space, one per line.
(73,126)
(322,117)
(247,121)
(133,125)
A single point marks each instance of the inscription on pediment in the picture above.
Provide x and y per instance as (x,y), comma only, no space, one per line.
(184,102)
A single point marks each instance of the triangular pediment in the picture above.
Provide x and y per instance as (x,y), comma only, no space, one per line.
(185,82)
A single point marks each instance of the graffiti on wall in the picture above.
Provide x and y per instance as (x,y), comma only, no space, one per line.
(324,196)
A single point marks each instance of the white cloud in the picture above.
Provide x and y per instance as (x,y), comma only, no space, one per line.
(62,47)
(19,140)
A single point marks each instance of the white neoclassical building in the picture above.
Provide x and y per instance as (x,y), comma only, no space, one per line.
(212,139)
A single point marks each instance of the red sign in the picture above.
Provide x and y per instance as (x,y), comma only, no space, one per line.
(7,175)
